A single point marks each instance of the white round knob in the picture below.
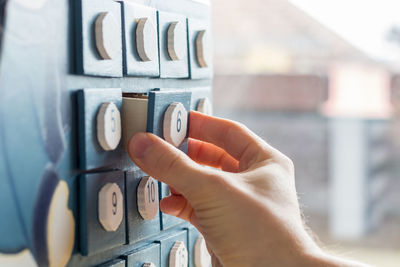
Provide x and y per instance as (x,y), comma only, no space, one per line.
(148,264)
(178,256)
(175,124)
(204,106)
(201,256)
(176,41)
(108,126)
(110,206)
(203,50)
(147,198)
(146,40)
(106,32)
(60,228)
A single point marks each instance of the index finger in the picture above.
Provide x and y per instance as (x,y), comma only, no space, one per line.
(234,138)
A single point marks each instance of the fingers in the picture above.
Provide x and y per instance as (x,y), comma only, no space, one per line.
(179,207)
(211,155)
(174,191)
(235,139)
(167,164)
(214,261)
(176,206)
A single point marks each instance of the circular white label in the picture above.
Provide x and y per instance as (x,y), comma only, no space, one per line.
(109,126)
(146,40)
(204,106)
(60,228)
(176,41)
(110,206)
(178,256)
(147,198)
(203,49)
(175,124)
(201,256)
(107,30)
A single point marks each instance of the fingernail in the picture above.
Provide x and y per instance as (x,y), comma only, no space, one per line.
(140,144)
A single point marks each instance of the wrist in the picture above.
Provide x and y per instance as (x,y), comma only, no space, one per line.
(323,259)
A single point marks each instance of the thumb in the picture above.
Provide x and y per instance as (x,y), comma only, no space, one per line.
(167,164)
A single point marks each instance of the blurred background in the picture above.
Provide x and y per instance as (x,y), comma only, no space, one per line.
(320,80)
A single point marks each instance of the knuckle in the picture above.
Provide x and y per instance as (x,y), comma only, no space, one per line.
(241,127)
(235,127)
(163,162)
(174,164)
(287,163)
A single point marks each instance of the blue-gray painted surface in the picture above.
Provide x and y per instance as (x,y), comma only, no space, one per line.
(93,237)
(193,234)
(199,93)
(114,263)
(148,254)
(91,154)
(133,65)
(196,71)
(167,221)
(168,242)
(168,67)
(137,228)
(89,61)
(47,130)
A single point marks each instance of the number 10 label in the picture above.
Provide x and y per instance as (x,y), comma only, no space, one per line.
(147,198)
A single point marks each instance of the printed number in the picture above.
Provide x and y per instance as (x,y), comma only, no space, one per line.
(151,189)
(113,120)
(182,255)
(179,122)
(114,203)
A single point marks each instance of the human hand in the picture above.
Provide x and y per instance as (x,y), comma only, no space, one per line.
(246,207)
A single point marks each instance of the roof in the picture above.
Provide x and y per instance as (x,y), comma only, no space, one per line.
(258,36)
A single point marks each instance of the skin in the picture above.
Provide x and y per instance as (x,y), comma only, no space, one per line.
(246,206)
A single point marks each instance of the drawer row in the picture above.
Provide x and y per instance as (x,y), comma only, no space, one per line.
(107,119)
(118,208)
(180,249)
(116,39)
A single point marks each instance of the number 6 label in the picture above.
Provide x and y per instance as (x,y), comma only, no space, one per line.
(147,198)
(175,124)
